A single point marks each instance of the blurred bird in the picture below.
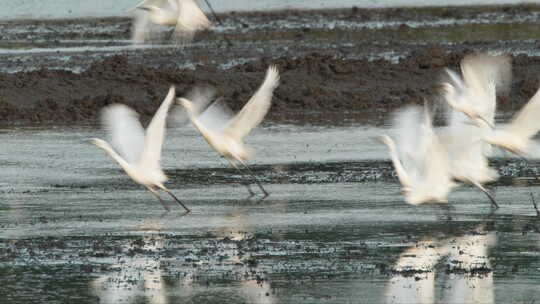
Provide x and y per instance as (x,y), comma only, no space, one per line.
(185,15)
(516,136)
(475,94)
(136,152)
(420,160)
(472,103)
(225,133)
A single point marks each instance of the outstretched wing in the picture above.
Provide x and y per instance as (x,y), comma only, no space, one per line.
(125,132)
(140,27)
(527,123)
(254,111)
(190,19)
(411,139)
(155,133)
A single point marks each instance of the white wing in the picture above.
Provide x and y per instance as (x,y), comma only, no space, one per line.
(216,116)
(527,122)
(254,111)
(190,19)
(125,131)
(411,140)
(200,98)
(155,133)
(140,27)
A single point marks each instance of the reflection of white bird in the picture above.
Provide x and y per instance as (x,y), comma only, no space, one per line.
(516,136)
(185,15)
(472,103)
(136,277)
(136,152)
(414,281)
(469,278)
(420,160)
(470,254)
(225,133)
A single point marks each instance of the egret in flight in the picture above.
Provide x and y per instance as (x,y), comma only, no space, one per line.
(472,103)
(137,152)
(516,136)
(225,133)
(185,15)
(474,95)
(420,159)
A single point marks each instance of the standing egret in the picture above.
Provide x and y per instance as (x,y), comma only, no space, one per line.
(472,103)
(420,160)
(225,133)
(516,136)
(185,15)
(136,152)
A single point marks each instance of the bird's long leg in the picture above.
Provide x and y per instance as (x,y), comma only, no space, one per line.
(156,194)
(255,179)
(229,43)
(534,204)
(489,195)
(177,200)
(248,187)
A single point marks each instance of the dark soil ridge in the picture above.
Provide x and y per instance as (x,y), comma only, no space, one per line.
(315,83)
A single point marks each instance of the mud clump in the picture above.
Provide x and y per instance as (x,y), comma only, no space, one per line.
(314,82)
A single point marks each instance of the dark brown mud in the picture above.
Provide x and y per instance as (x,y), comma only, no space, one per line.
(322,70)
(313,83)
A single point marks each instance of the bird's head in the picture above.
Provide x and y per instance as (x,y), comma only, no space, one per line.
(186,104)
(98,142)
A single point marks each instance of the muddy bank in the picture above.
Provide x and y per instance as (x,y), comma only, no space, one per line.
(314,83)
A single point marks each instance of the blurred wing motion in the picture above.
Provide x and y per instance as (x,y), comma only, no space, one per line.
(140,27)
(125,131)
(190,19)
(527,122)
(420,160)
(155,133)
(254,111)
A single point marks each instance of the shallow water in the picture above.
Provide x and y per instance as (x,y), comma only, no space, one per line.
(334,229)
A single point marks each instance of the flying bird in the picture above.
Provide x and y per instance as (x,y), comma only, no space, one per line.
(517,136)
(225,132)
(137,152)
(185,15)
(474,95)
(472,103)
(420,159)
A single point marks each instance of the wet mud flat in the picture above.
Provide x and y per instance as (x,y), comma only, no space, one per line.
(335,229)
(74,228)
(330,61)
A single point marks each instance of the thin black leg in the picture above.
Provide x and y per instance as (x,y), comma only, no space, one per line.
(177,200)
(256,180)
(154,192)
(229,43)
(534,204)
(488,194)
(248,187)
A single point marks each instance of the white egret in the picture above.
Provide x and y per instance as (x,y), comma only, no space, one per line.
(420,160)
(516,136)
(472,102)
(185,15)
(225,133)
(475,94)
(136,152)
